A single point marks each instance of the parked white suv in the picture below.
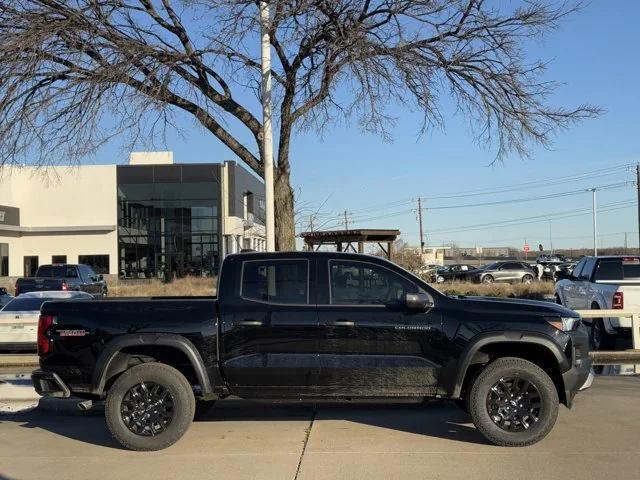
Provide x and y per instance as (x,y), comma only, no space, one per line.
(603,283)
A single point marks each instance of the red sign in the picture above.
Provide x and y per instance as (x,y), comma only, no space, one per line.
(526,247)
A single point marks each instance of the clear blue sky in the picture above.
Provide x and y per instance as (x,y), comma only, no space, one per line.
(594,53)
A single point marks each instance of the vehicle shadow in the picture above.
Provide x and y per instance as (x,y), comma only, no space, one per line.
(87,427)
(439,419)
(435,419)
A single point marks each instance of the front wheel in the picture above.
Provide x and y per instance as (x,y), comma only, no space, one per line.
(440,279)
(487,279)
(513,402)
(149,407)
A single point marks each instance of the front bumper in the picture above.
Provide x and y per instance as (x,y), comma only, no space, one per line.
(49,384)
(580,375)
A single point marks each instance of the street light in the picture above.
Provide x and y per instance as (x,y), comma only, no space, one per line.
(267,135)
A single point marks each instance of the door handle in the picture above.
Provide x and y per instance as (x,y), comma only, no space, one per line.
(248,323)
(344,323)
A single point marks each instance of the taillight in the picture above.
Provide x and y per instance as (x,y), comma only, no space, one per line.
(44,342)
(65,287)
(618,301)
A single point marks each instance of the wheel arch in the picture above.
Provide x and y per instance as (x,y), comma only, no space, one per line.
(534,347)
(114,360)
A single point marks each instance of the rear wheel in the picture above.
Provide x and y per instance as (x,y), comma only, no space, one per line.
(600,339)
(149,407)
(527,278)
(513,402)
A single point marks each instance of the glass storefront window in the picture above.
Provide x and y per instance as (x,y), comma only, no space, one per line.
(4,259)
(168,229)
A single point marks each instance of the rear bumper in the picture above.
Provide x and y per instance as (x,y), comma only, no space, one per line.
(49,384)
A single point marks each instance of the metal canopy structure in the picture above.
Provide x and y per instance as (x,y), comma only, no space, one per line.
(344,240)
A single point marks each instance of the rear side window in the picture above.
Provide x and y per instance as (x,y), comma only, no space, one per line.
(49,271)
(276,281)
(24,305)
(618,269)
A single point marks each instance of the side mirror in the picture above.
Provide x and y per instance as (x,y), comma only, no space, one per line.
(418,301)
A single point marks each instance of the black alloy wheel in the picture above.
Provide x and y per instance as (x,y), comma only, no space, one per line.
(514,404)
(147,409)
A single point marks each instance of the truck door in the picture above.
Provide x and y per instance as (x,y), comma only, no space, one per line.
(373,345)
(270,328)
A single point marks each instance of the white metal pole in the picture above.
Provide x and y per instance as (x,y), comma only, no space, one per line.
(595,223)
(550,237)
(267,135)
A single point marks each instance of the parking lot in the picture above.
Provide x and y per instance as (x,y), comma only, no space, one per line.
(599,437)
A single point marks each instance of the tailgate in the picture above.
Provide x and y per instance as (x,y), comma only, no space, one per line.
(39,284)
(631,296)
(19,327)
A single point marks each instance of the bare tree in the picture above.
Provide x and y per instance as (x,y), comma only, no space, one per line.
(67,67)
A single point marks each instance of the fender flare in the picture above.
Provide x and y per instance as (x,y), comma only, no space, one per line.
(484,339)
(113,349)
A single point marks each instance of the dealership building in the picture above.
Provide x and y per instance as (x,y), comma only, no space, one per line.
(134,220)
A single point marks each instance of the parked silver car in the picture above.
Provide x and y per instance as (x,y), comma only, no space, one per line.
(19,318)
(503,272)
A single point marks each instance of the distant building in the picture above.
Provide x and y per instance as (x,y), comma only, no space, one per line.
(131,219)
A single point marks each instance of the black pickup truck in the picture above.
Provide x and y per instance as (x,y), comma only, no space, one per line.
(313,325)
(62,277)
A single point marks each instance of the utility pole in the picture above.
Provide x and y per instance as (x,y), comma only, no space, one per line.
(420,223)
(595,223)
(267,135)
(638,189)
(626,245)
(346,221)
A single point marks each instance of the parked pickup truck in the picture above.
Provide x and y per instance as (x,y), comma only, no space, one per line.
(313,325)
(63,277)
(602,283)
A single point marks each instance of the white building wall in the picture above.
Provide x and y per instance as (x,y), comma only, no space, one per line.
(84,198)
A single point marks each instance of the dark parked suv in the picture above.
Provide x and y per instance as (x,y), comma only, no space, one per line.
(54,277)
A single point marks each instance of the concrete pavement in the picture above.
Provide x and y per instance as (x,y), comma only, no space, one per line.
(599,438)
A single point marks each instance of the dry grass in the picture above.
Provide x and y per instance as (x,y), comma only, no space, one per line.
(183,287)
(207,286)
(188,287)
(533,291)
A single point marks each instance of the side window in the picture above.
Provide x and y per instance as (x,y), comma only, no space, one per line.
(511,266)
(577,270)
(585,274)
(276,281)
(609,270)
(359,283)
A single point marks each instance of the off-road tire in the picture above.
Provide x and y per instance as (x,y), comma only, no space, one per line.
(599,338)
(505,367)
(183,406)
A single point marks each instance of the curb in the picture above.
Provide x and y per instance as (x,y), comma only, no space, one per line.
(17,360)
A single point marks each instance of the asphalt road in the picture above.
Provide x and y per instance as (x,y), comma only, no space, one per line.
(598,438)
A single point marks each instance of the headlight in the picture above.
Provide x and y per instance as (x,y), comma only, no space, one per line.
(566,324)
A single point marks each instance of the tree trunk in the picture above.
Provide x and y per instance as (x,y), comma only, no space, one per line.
(283,199)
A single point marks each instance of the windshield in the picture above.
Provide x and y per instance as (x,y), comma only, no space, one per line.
(57,271)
